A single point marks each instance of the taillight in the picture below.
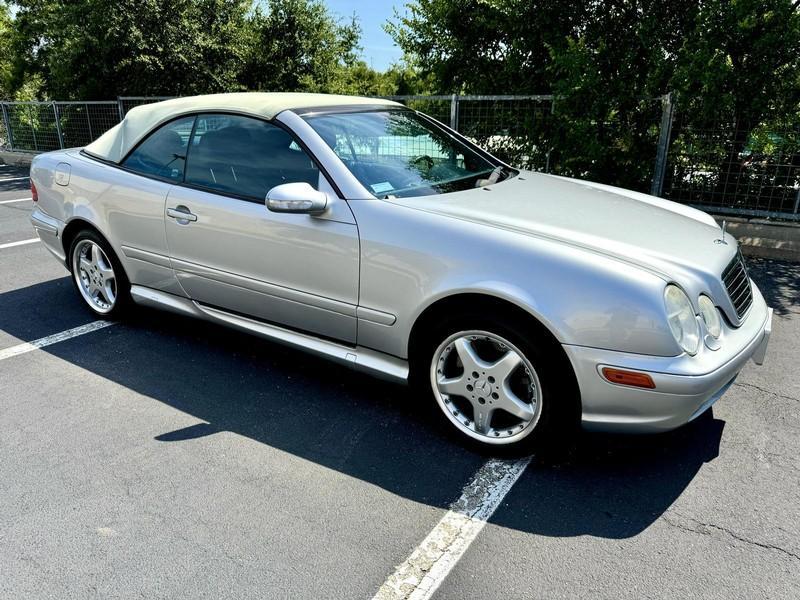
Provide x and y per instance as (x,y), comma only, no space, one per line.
(34,193)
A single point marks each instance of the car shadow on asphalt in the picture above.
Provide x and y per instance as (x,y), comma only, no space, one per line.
(607,486)
(611,486)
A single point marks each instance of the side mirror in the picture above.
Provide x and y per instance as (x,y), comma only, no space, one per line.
(296,198)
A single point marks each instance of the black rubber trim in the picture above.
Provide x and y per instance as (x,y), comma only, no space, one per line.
(345,108)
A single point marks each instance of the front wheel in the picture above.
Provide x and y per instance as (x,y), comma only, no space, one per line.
(501,387)
(98,275)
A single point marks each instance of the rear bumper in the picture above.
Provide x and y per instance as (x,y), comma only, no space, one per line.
(49,230)
(685,385)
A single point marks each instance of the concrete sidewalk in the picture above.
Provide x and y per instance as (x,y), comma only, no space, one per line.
(770,239)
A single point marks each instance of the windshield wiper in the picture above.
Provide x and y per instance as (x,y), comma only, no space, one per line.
(493,177)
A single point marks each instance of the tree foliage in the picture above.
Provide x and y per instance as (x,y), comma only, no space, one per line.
(5,51)
(735,62)
(94,49)
(99,49)
(486,46)
(297,45)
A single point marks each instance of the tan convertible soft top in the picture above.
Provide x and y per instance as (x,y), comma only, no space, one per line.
(115,143)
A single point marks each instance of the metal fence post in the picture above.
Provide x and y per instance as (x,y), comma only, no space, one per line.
(660,168)
(58,126)
(88,120)
(121,108)
(7,122)
(33,129)
(454,112)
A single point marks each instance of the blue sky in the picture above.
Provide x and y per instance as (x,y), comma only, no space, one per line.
(379,49)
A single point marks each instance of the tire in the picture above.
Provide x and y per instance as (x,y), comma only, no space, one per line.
(515,392)
(98,276)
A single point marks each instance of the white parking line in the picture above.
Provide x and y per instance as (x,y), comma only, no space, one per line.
(16,200)
(2,179)
(20,243)
(53,339)
(424,570)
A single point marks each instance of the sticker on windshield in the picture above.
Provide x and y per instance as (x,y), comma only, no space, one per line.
(382,187)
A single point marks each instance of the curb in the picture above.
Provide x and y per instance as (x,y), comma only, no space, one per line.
(16,159)
(768,239)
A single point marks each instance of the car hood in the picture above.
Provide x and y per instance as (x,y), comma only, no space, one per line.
(644,230)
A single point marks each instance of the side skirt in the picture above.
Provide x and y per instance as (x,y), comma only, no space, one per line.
(358,358)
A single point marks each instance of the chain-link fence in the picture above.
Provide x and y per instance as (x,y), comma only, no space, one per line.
(737,168)
(516,129)
(747,169)
(45,126)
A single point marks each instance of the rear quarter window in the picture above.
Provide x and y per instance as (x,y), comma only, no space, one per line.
(163,153)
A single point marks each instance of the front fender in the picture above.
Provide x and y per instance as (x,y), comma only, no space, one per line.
(412,259)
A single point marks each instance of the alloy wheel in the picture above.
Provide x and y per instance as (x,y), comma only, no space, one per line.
(95,276)
(486,387)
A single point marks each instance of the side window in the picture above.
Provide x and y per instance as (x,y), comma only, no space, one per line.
(163,153)
(245,157)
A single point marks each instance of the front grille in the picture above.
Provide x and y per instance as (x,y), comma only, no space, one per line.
(737,283)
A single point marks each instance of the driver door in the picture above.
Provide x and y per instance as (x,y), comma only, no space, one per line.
(228,251)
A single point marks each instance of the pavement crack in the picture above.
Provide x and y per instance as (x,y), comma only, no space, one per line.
(701,528)
(765,391)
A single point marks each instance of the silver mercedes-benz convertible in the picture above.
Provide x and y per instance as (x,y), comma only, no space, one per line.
(523,304)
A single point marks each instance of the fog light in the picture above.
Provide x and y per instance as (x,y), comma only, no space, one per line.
(710,316)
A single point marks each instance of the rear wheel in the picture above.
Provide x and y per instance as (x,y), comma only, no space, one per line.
(498,386)
(98,275)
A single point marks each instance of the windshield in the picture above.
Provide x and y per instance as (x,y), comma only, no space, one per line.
(397,153)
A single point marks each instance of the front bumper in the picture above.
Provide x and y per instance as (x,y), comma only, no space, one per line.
(685,385)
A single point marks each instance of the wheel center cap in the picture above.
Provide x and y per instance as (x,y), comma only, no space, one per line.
(482,388)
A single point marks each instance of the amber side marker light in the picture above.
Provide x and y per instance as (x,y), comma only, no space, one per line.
(621,377)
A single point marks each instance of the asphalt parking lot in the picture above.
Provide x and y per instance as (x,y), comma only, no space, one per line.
(168,458)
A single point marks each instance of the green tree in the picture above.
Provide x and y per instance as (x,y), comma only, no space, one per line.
(98,49)
(607,80)
(485,46)
(739,70)
(5,51)
(733,63)
(298,45)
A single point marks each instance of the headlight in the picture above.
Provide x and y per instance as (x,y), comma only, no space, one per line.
(710,315)
(682,320)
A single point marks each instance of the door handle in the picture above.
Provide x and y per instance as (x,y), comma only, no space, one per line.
(181,213)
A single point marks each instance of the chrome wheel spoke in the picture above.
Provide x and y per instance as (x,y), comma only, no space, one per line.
(105,271)
(511,403)
(503,368)
(452,386)
(108,291)
(91,254)
(483,417)
(469,358)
